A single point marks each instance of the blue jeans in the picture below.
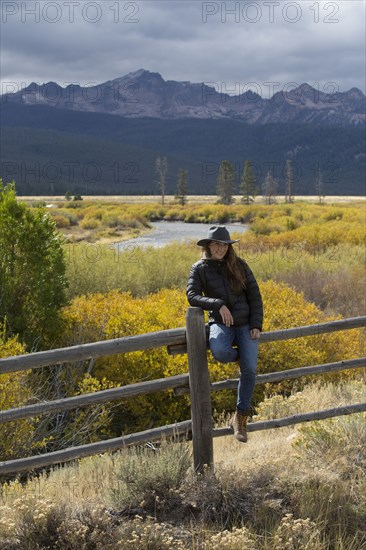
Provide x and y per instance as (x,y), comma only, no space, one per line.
(222,339)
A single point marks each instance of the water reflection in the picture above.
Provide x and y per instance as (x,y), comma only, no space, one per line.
(164,232)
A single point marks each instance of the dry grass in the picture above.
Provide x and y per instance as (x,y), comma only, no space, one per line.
(299,488)
(295,489)
(272,444)
(81,235)
(106,219)
(196,199)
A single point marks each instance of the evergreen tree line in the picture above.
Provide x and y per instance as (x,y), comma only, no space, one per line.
(161,165)
(226,183)
(248,188)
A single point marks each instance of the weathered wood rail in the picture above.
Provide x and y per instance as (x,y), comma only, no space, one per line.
(191,340)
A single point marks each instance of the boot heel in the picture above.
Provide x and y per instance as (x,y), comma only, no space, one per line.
(238,423)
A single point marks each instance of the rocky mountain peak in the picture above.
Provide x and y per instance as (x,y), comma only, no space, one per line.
(143,93)
(355,93)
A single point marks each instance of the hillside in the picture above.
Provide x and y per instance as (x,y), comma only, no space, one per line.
(143,94)
(47,161)
(104,139)
(113,501)
(48,150)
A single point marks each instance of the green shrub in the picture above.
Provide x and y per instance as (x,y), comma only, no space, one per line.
(89,223)
(150,479)
(32,271)
(61,221)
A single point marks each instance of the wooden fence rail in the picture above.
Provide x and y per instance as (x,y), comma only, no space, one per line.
(171,338)
(191,340)
(173,430)
(272,377)
(95,398)
(85,352)
(179,383)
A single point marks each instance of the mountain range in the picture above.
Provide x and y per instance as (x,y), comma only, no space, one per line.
(105,138)
(146,94)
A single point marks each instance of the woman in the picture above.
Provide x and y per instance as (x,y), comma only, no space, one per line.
(223,284)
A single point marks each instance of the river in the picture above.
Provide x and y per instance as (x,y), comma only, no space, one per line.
(164,232)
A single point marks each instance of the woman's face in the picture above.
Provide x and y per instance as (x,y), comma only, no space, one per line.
(217,250)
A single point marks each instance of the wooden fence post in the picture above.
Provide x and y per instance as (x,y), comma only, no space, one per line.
(200,390)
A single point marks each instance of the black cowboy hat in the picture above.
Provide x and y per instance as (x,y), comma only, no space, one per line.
(217,233)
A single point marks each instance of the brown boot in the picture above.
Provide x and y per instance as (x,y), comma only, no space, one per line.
(239,425)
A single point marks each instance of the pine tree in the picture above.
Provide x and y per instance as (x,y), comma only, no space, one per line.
(225,182)
(248,188)
(270,188)
(161,165)
(181,194)
(289,182)
(319,187)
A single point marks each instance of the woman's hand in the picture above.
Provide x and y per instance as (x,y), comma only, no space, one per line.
(226,316)
(255,333)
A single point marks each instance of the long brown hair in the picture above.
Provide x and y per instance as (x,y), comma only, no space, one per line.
(234,268)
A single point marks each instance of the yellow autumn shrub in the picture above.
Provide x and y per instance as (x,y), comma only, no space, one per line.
(314,234)
(286,308)
(118,314)
(15,436)
(99,317)
(88,424)
(264,219)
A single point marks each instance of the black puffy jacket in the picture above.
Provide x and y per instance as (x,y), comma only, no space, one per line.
(208,288)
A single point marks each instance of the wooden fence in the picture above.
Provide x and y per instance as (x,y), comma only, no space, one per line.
(191,340)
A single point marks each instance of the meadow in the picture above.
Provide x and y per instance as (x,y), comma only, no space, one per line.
(316,249)
(293,488)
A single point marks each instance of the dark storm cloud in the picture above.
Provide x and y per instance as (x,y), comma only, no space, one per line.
(227,43)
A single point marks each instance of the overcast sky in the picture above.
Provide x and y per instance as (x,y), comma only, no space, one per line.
(263,45)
